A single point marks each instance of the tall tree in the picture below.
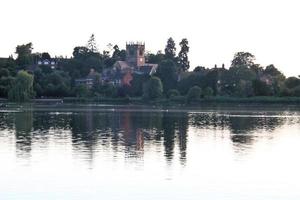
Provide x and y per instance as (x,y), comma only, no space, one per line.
(170,50)
(167,73)
(24,54)
(92,45)
(183,59)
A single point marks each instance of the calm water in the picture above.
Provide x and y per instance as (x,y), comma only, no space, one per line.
(124,152)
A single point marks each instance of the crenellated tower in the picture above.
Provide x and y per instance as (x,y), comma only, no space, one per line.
(135,53)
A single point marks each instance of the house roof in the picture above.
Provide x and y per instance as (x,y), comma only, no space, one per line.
(122,65)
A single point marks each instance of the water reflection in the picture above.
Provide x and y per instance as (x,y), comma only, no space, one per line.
(130,131)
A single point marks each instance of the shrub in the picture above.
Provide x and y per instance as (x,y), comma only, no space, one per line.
(208,91)
(153,89)
(173,93)
(194,94)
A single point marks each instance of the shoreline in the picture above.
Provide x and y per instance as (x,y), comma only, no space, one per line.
(179,100)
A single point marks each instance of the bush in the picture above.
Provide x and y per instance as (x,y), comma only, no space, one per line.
(208,91)
(173,93)
(194,94)
(296,91)
(292,82)
(284,91)
(153,89)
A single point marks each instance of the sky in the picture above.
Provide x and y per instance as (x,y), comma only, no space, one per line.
(215,29)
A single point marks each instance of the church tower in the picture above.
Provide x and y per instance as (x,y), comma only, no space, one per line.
(135,54)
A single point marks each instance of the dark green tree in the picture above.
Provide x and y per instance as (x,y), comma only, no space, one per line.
(92,45)
(24,53)
(167,73)
(194,94)
(153,88)
(183,59)
(260,88)
(170,50)
(292,82)
(243,59)
(22,89)
(208,91)
(173,93)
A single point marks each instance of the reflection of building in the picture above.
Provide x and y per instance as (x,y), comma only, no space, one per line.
(135,63)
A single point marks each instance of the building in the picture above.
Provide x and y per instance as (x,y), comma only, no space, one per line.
(92,78)
(135,63)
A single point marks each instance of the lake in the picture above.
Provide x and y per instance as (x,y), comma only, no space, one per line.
(66,151)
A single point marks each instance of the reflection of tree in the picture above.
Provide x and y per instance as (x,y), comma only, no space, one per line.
(6,121)
(23,128)
(169,134)
(241,127)
(182,131)
(175,125)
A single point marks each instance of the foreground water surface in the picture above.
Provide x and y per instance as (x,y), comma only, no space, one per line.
(140,152)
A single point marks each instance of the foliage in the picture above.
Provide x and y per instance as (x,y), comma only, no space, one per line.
(208,91)
(194,94)
(183,59)
(243,59)
(173,93)
(24,53)
(170,50)
(153,88)
(244,78)
(167,73)
(260,88)
(92,45)
(292,82)
(22,89)
(81,91)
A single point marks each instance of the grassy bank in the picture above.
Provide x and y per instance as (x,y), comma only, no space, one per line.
(182,100)
(178,100)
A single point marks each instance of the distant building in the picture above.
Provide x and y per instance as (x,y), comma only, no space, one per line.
(88,82)
(122,71)
(92,79)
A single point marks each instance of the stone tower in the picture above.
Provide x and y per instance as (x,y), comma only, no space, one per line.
(135,54)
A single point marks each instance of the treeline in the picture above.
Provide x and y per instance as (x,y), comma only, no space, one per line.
(22,79)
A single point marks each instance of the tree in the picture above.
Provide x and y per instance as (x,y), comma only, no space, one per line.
(153,88)
(6,82)
(22,89)
(170,50)
(183,59)
(4,72)
(167,73)
(243,59)
(200,69)
(24,54)
(208,91)
(118,54)
(260,88)
(46,56)
(81,91)
(194,94)
(92,45)
(292,82)
(155,58)
(272,71)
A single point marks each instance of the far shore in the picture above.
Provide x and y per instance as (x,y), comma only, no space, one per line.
(179,100)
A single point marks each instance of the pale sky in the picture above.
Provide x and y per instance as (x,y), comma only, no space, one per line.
(215,29)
